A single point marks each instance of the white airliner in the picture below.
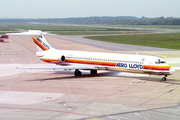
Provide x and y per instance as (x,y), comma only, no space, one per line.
(93,61)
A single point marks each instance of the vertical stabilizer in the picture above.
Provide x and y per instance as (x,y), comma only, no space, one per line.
(39,40)
(41,43)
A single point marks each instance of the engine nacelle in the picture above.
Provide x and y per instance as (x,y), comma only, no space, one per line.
(51,59)
(63,58)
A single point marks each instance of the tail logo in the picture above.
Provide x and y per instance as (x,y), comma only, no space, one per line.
(41,44)
(44,44)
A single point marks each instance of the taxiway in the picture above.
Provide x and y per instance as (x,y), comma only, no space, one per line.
(58,95)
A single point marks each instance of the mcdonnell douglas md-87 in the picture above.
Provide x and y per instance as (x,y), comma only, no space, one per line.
(93,61)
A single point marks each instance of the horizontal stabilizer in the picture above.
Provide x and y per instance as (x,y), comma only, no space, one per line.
(29,32)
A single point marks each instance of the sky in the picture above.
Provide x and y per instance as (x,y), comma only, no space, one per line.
(88,8)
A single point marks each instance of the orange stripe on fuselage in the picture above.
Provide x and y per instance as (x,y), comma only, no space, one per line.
(113,64)
(152,67)
(91,62)
(80,62)
(103,63)
(51,60)
(39,44)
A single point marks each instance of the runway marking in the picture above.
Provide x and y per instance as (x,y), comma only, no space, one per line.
(145,118)
(44,76)
(113,77)
(137,114)
(110,117)
(47,76)
(24,46)
(157,55)
(162,94)
(11,54)
(67,88)
(140,93)
(10,84)
(93,119)
(46,110)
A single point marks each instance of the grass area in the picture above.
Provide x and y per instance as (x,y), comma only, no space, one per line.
(45,27)
(61,29)
(93,32)
(83,32)
(151,26)
(51,27)
(170,41)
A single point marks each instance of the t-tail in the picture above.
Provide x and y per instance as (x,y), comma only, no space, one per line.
(41,43)
(38,38)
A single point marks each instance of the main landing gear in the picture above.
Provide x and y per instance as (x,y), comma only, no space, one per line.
(163,78)
(93,72)
(78,73)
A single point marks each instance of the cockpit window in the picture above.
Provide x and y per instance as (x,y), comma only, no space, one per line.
(163,62)
(160,62)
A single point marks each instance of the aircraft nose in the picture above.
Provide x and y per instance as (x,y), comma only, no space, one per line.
(172,70)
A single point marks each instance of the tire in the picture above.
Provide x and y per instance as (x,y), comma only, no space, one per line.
(93,72)
(77,73)
(163,78)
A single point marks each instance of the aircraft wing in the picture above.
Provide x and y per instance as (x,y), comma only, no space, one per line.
(63,67)
(82,67)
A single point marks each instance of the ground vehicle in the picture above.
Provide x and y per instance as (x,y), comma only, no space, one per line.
(3,38)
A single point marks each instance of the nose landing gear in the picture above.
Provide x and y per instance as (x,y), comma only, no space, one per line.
(163,78)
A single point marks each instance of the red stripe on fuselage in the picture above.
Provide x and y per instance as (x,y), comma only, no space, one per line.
(153,67)
(103,63)
(52,60)
(91,62)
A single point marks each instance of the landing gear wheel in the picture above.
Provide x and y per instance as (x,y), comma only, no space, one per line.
(77,72)
(163,78)
(93,72)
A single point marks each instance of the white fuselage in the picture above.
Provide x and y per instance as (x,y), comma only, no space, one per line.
(109,61)
(94,61)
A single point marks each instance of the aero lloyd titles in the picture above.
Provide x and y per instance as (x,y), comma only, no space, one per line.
(126,65)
